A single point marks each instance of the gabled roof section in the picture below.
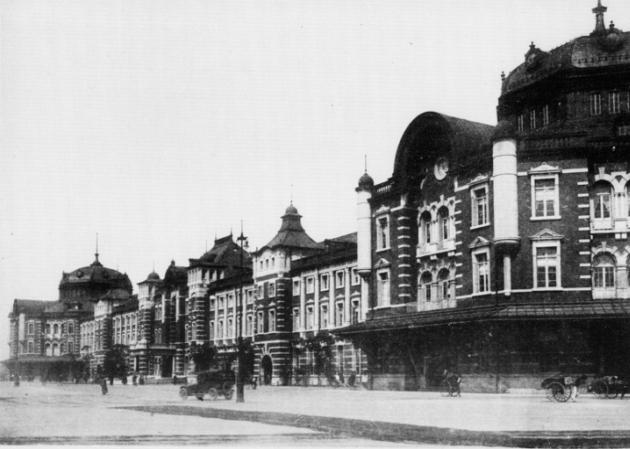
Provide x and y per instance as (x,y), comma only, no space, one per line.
(291,233)
(225,253)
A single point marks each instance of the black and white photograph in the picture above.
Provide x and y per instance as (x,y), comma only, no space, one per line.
(315,223)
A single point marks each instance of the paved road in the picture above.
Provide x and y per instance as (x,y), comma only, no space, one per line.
(79,413)
(63,413)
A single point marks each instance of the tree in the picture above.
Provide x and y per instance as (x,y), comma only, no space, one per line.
(202,355)
(115,364)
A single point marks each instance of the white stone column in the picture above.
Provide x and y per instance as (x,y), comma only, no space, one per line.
(507,278)
(346,300)
(216,319)
(316,302)
(331,300)
(234,313)
(302,304)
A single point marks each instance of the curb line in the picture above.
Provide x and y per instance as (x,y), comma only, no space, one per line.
(394,432)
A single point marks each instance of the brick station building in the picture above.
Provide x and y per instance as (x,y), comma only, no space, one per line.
(502,252)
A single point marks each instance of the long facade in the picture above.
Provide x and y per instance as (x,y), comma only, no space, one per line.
(500,252)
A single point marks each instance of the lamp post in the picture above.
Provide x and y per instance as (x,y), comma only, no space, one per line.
(16,367)
(240,390)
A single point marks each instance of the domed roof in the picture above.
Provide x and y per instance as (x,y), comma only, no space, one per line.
(153,276)
(95,273)
(291,210)
(365,182)
(604,47)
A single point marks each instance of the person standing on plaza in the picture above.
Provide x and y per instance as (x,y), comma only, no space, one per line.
(453,381)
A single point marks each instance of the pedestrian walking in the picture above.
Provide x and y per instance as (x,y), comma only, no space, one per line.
(134,380)
(103,382)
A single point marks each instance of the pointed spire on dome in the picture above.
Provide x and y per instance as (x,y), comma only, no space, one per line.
(599,11)
(365,181)
(96,262)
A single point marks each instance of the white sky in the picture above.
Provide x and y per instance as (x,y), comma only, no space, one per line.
(159,124)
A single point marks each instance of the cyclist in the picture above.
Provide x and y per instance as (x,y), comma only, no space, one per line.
(453,382)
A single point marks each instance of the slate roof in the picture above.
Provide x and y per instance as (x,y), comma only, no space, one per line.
(95,273)
(224,253)
(613,309)
(291,233)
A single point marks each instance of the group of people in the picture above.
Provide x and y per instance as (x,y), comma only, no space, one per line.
(102,381)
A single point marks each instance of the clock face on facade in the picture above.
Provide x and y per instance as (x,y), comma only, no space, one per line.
(441,169)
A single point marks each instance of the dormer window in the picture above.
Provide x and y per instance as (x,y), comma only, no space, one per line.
(532,119)
(595,102)
(545,115)
(614,102)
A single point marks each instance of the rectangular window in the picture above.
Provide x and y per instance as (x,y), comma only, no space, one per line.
(604,277)
(31,328)
(324,282)
(545,196)
(481,272)
(310,284)
(323,317)
(340,279)
(532,119)
(479,206)
(382,288)
(545,115)
(296,319)
(296,287)
(272,321)
(70,328)
(30,347)
(520,123)
(272,289)
(249,329)
(547,266)
(356,280)
(250,296)
(70,347)
(382,233)
(339,314)
(260,325)
(595,101)
(614,102)
(309,318)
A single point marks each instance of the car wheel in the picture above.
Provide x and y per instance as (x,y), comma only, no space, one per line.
(213,394)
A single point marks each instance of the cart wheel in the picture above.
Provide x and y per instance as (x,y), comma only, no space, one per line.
(557,392)
(213,394)
(600,389)
(229,393)
(183,393)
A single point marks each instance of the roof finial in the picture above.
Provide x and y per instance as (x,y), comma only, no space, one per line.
(365,163)
(96,253)
(291,199)
(599,11)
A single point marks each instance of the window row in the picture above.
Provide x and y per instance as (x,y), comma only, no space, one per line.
(54,349)
(326,281)
(325,319)
(613,102)
(436,288)
(54,329)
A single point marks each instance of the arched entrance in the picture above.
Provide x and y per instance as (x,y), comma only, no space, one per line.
(267,369)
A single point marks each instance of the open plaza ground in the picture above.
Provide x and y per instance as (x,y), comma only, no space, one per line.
(35,413)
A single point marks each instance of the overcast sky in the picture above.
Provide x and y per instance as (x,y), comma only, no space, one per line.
(160,124)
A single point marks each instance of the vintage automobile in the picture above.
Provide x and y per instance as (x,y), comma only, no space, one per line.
(211,384)
(609,387)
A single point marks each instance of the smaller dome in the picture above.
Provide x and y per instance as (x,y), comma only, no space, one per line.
(366,182)
(153,276)
(291,210)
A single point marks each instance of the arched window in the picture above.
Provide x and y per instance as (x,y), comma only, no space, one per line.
(48,349)
(444,284)
(603,272)
(55,329)
(425,228)
(55,349)
(444,223)
(602,200)
(425,286)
